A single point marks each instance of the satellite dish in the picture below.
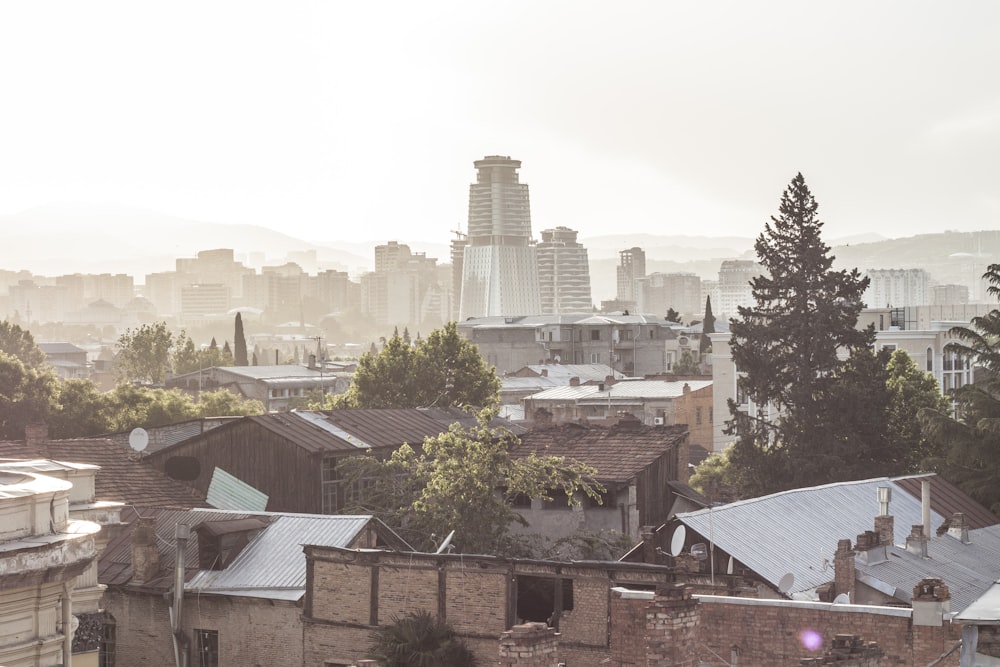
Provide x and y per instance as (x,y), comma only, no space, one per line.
(729,568)
(786,582)
(843,598)
(677,541)
(444,545)
(138,439)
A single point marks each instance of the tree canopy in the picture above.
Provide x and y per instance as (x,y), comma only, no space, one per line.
(419,640)
(463,480)
(442,370)
(787,347)
(144,354)
(965,447)
(707,327)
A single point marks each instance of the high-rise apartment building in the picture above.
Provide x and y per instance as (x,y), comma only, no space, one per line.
(563,273)
(734,286)
(897,288)
(499,266)
(631,267)
(658,292)
(403,289)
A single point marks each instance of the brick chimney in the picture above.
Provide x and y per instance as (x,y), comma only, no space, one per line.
(886,529)
(529,645)
(36,437)
(843,569)
(609,380)
(916,541)
(958,527)
(545,372)
(145,554)
(648,535)
(870,549)
(672,620)
(574,381)
(931,600)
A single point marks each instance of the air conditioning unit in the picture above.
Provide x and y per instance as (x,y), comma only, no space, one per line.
(657,421)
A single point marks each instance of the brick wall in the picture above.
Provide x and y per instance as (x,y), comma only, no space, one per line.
(142,632)
(764,633)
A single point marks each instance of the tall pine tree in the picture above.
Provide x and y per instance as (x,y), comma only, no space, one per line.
(707,327)
(240,343)
(786,348)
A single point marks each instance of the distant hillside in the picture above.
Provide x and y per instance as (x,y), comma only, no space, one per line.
(56,240)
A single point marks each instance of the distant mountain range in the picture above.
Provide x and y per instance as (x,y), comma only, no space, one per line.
(56,240)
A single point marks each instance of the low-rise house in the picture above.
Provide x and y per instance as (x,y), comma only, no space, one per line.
(534,378)
(68,360)
(292,457)
(278,388)
(244,575)
(840,539)
(635,464)
(653,402)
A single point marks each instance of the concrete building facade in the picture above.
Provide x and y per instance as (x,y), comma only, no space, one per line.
(499,266)
(563,273)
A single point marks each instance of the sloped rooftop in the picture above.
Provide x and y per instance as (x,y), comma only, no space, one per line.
(618,453)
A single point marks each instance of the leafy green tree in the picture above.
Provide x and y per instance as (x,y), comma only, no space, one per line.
(464,480)
(965,448)
(912,391)
(786,348)
(452,372)
(240,342)
(442,370)
(185,358)
(19,343)
(27,395)
(223,403)
(686,365)
(716,478)
(707,327)
(419,640)
(144,354)
(79,412)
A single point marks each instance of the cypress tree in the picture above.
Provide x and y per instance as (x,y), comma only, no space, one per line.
(240,343)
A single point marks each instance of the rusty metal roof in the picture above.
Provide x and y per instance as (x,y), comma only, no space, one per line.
(618,453)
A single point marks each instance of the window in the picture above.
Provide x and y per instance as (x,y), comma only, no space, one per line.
(331,486)
(559,500)
(595,357)
(206,646)
(891,347)
(595,334)
(697,416)
(543,598)
(930,360)
(106,652)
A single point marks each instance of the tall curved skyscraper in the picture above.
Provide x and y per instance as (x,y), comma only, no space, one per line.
(499,267)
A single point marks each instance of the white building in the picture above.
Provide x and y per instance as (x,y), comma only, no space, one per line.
(499,267)
(896,288)
(734,286)
(563,273)
(47,563)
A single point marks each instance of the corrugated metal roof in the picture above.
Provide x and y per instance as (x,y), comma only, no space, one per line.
(583,371)
(623,389)
(274,561)
(568,393)
(985,610)
(797,531)
(230,493)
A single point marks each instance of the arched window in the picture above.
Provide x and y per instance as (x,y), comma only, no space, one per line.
(930,360)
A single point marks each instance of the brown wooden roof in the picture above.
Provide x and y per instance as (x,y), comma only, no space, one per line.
(123,477)
(947,499)
(619,452)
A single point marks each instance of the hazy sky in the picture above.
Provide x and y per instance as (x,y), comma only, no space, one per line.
(361,120)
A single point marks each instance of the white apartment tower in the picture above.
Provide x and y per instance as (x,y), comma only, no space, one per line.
(563,273)
(734,286)
(499,267)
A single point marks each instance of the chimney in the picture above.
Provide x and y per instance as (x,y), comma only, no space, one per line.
(574,381)
(545,372)
(959,528)
(925,506)
(916,541)
(870,548)
(609,380)
(312,361)
(687,388)
(886,529)
(529,645)
(36,435)
(145,554)
(648,535)
(843,569)
(931,599)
